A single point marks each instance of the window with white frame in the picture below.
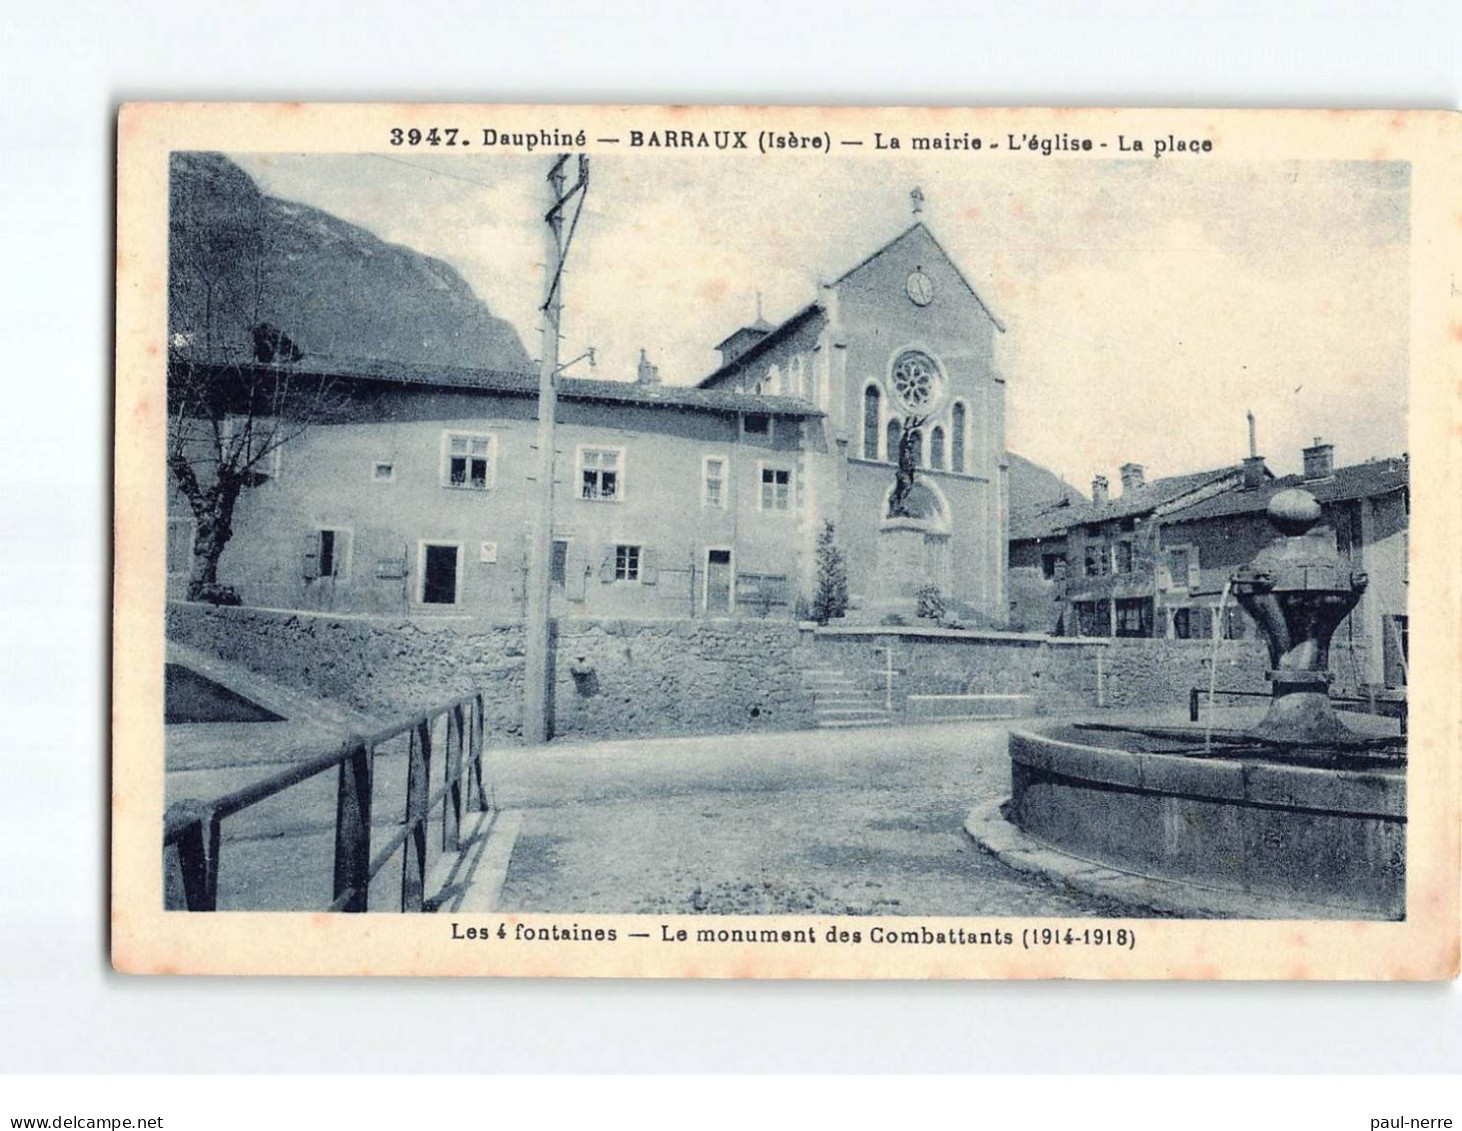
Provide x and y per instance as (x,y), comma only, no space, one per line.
(626,563)
(601,474)
(713,481)
(467,460)
(180,546)
(252,443)
(776,489)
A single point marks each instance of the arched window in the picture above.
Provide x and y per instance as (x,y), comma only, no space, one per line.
(776,382)
(891,448)
(871,401)
(957,427)
(936,448)
(794,381)
(918,442)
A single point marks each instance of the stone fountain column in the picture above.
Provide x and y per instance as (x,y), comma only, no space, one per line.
(1298,590)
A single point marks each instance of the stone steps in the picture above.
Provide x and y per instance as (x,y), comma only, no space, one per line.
(838,701)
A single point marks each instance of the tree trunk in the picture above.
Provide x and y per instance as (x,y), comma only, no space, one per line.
(214,513)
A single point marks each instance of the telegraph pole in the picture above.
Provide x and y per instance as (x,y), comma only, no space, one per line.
(536,672)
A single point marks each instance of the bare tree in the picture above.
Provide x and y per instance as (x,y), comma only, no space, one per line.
(234,397)
(226,425)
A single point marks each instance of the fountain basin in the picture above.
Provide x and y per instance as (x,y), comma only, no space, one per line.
(1227,818)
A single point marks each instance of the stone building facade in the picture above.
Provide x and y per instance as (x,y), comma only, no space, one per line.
(416,495)
(1153,561)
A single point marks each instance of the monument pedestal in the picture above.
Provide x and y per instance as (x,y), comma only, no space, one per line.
(900,570)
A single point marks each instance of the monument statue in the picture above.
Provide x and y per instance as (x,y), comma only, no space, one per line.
(908,465)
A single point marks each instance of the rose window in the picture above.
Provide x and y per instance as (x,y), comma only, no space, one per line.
(916,381)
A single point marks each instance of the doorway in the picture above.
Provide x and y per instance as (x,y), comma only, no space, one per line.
(439,570)
(718,582)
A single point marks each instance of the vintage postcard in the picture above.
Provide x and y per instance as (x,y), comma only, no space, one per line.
(747,542)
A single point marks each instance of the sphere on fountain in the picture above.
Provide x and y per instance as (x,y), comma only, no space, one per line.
(1294,511)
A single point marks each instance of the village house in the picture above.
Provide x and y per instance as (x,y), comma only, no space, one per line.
(1154,560)
(670,500)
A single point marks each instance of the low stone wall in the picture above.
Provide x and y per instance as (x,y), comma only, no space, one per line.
(634,678)
(1059,674)
(1141,673)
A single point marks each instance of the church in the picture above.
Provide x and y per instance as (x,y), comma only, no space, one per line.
(671,500)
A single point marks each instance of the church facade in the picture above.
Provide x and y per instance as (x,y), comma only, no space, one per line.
(670,500)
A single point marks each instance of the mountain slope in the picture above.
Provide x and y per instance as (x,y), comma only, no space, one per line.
(1034,488)
(239,258)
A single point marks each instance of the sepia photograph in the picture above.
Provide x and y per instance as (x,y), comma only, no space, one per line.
(956,537)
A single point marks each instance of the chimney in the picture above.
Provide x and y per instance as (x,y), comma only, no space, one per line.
(1253,473)
(1099,490)
(1131,477)
(1319,460)
(648,374)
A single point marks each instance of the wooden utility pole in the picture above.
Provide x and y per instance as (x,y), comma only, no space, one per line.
(536,673)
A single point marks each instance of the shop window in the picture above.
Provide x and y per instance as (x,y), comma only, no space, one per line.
(1134,616)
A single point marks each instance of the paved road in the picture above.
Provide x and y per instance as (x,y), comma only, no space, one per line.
(825,822)
(821,822)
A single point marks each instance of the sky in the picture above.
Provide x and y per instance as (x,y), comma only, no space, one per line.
(1148,304)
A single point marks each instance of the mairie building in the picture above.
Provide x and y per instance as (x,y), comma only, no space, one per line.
(706,500)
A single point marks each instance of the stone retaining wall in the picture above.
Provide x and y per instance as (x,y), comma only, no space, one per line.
(634,678)
(1059,675)
(1142,673)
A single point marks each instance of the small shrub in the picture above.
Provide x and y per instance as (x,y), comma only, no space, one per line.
(930,603)
(215,594)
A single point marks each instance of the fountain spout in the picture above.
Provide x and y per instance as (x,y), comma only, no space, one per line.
(1298,590)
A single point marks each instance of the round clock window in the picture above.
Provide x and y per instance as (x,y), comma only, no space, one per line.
(920,288)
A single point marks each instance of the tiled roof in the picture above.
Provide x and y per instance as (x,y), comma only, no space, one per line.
(760,346)
(1053,520)
(1359,481)
(526,384)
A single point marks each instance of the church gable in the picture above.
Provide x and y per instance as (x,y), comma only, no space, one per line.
(915,267)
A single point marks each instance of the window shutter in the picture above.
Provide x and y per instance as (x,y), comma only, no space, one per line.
(1194,576)
(310,555)
(344,544)
(575,572)
(606,566)
(649,568)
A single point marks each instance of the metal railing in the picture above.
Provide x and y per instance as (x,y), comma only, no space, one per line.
(192,829)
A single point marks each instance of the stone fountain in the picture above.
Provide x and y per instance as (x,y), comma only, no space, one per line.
(1300,816)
